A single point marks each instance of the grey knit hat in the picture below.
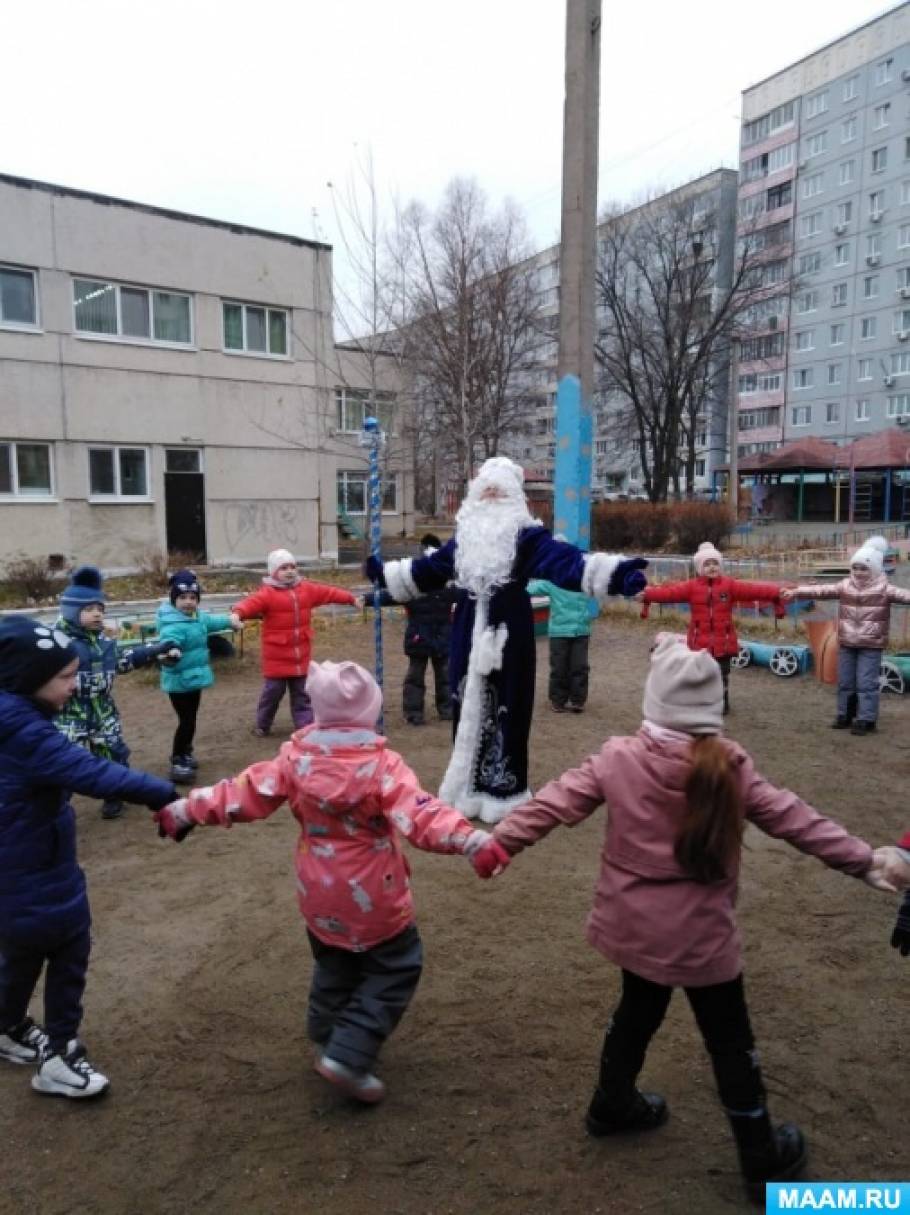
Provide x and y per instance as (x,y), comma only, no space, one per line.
(684,690)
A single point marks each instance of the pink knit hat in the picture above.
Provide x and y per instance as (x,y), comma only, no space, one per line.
(343,694)
(706,552)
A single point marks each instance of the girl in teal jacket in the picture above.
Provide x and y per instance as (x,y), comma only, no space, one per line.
(180,621)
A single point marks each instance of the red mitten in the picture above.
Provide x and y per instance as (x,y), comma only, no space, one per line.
(490,860)
(173,821)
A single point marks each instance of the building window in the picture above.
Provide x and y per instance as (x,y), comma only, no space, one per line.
(841,255)
(811,225)
(845,212)
(183,460)
(879,159)
(907,147)
(803,377)
(353,405)
(817,104)
(118,472)
(18,298)
(747,384)
(813,185)
(770,346)
(901,321)
(816,144)
(874,245)
(779,196)
(833,374)
(876,203)
(805,339)
(881,116)
(770,382)
(353,493)
(905,193)
(870,286)
(899,406)
(903,236)
(136,314)
(253,329)
(883,71)
(861,411)
(810,263)
(801,415)
(25,470)
(807,302)
(838,295)
(837,335)
(848,130)
(900,363)
(903,279)
(864,369)
(851,88)
(847,172)
(832,412)
(868,327)
(773,121)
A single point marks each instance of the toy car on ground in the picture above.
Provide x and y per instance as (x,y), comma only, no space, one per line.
(783,660)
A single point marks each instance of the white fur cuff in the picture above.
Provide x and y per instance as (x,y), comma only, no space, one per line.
(598,571)
(399,583)
(489,649)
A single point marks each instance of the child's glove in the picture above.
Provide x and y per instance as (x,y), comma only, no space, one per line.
(158,803)
(900,938)
(236,622)
(490,859)
(373,569)
(168,654)
(174,823)
(627,579)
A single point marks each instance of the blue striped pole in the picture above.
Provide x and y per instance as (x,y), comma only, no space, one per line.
(373,438)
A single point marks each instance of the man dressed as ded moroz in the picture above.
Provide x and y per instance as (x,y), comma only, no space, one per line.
(497,547)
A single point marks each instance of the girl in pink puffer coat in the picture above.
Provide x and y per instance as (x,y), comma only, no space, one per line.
(863,624)
(353,799)
(678,799)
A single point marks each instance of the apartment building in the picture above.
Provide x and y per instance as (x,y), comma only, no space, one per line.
(825,192)
(169,382)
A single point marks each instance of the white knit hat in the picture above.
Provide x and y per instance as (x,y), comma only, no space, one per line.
(706,552)
(870,556)
(343,694)
(684,689)
(278,557)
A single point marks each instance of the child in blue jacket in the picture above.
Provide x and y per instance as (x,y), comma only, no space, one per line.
(182,624)
(44,909)
(90,717)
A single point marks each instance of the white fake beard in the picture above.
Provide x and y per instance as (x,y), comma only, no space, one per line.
(485,535)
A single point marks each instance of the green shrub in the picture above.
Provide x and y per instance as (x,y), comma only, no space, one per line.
(626,525)
(695,522)
(29,579)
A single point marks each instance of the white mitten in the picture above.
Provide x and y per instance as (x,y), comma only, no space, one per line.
(475,842)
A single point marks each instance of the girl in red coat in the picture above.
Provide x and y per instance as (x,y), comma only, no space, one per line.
(285,605)
(711,596)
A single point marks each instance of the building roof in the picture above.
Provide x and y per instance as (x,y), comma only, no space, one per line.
(108,200)
(887,449)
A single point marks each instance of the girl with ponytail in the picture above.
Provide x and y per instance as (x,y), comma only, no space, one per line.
(679,796)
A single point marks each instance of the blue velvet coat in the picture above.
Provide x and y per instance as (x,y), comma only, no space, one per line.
(502,764)
(42,888)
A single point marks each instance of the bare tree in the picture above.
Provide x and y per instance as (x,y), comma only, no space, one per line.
(674,291)
(472,322)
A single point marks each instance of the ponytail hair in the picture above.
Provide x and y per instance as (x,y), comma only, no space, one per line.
(710,836)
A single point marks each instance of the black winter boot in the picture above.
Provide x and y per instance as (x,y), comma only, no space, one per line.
(640,1112)
(766,1153)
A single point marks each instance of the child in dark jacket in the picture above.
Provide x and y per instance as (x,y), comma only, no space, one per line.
(90,718)
(711,596)
(285,605)
(664,909)
(44,909)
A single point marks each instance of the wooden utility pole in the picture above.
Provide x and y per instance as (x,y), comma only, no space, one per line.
(578,249)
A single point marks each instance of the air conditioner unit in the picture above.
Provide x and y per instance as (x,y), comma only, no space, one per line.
(875,217)
(905,293)
(840,229)
(872,259)
(888,381)
(903,335)
(905,75)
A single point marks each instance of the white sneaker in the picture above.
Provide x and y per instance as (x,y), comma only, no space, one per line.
(362,1086)
(23,1043)
(69,1075)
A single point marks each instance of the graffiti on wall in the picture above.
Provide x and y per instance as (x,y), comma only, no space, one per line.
(271,524)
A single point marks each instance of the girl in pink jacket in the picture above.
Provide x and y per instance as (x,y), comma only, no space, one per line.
(353,798)
(863,624)
(679,796)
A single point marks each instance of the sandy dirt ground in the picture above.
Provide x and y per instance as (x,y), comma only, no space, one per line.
(197,993)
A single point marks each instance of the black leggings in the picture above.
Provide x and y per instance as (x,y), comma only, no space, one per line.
(723,1018)
(186,706)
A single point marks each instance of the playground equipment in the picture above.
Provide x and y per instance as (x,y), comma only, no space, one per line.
(784,661)
(895,673)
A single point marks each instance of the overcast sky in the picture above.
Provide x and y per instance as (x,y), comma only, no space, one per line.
(244,111)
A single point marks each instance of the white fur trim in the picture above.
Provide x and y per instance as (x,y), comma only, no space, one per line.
(490,646)
(457,783)
(401,586)
(494,809)
(598,571)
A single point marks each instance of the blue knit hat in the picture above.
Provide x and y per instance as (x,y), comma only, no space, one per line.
(84,589)
(31,654)
(183,582)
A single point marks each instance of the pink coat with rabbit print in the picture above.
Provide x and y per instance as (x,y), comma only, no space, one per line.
(352,797)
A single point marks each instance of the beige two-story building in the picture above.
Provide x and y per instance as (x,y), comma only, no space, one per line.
(171,383)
